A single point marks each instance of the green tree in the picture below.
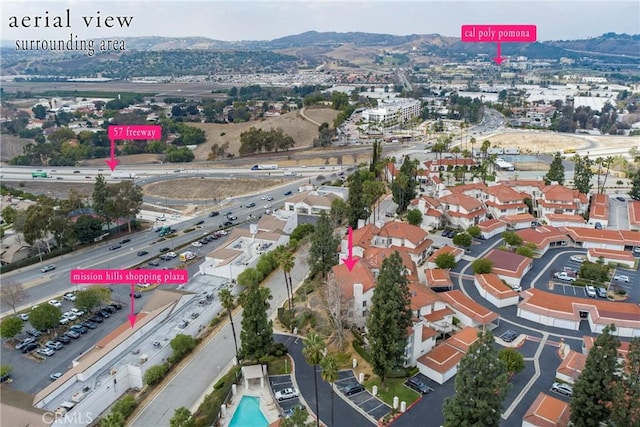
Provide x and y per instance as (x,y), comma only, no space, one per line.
(12,294)
(390,316)
(474,231)
(634,193)
(5,370)
(39,112)
(92,297)
(625,410)
(9,214)
(462,239)
(87,228)
(322,254)
(598,272)
(513,360)
(102,204)
(127,200)
(356,208)
(313,350)
(182,344)
(525,251)
(45,317)
(582,174)
(330,370)
(593,389)
(481,385)
(286,261)
(114,419)
(155,374)
(403,187)
(297,419)
(228,303)
(414,217)
(445,261)
(257,329)
(511,238)
(482,266)
(10,327)
(556,171)
(182,418)
(338,213)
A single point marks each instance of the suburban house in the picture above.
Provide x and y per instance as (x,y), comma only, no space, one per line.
(492,227)
(432,212)
(599,211)
(563,311)
(463,211)
(438,279)
(456,252)
(242,250)
(610,256)
(467,311)
(310,203)
(544,238)
(571,367)
(619,240)
(374,256)
(518,221)
(494,290)
(633,207)
(509,266)
(557,199)
(390,171)
(356,287)
(279,221)
(566,220)
(441,363)
(422,337)
(503,201)
(547,411)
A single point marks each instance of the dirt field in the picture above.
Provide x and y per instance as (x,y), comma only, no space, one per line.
(547,142)
(208,189)
(292,124)
(12,146)
(57,190)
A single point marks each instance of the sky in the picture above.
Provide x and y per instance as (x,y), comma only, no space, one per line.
(269,19)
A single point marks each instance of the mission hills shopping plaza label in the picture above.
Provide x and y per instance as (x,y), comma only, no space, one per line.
(114,277)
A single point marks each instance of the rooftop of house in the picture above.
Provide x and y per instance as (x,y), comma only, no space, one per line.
(490,225)
(626,238)
(506,262)
(403,230)
(495,286)
(548,411)
(611,254)
(312,198)
(346,279)
(421,296)
(504,193)
(572,364)
(468,203)
(438,277)
(542,236)
(363,236)
(599,207)
(456,252)
(633,206)
(463,304)
(374,256)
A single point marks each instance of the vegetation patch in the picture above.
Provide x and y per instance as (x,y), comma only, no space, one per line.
(392,387)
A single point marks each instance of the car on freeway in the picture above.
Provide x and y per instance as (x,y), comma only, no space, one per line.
(288,193)
(55,303)
(165,249)
(114,247)
(621,278)
(263,198)
(45,351)
(286,394)
(70,296)
(136,294)
(564,276)
(199,222)
(196,244)
(214,213)
(55,376)
(232,217)
(269,199)
(251,205)
(165,257)
(602,292)
(47,268)
(267,206)
(72,334)
(143,253)
(227,223)
(63,339)
(509,336)
(350,389)
(23,317)
(577,258)
(154,263)
(562,388)
(54,345)
(418,385)
(123,241)
(204,241)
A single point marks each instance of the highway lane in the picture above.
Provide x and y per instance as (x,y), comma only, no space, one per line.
(42,286)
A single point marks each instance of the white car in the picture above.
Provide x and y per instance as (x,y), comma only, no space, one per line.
(77,312)
(286,393)
(45,351)
(564,276)
(69,315)
(55,303)
(263,198)
(577,258)
(196,244)
(621,278)
(171,254)
(267,206)
(23,316)
(69,297)
(64,321)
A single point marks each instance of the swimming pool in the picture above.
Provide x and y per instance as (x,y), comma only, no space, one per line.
(248,414)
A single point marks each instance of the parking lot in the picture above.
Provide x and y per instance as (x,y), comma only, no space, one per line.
(373,406)
(279,382)
(630,287)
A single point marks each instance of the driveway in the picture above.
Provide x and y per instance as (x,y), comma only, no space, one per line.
(367,403)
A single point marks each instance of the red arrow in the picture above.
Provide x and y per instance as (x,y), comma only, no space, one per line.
(498,58)
(132,316)
(113,162)
(350,262)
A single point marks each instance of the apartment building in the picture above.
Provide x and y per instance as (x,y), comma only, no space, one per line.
(392,112)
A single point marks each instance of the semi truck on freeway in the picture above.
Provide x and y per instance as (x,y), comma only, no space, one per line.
(123,175)
(264,167)
(40,174)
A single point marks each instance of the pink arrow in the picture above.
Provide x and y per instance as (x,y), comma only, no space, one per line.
(113,162)
(498,59)
(350,262)
(132,315)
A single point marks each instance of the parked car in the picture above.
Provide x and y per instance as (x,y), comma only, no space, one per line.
(55,303)
(113,309)
(69,315)
(561,388)
(116,305)
(70,296)
(55,345)
(45,351)
(72,334)
(286,393)
(64,320)
(289,412)
(104,313)
(590,291)
(79,328)
(23,317)
(571,271)
(34,332)
(63,339)
(621,278)
(621,199)
(418,386)
(564,276)
(509,336)
(97,319)
(77,312)
(602,292)
(47,268)
(114,247)
(143,253)
(29,347)
(578,258)
(22,344)
(350,389)
(89,324)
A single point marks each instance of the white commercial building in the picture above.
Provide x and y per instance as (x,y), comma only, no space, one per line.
(392,112)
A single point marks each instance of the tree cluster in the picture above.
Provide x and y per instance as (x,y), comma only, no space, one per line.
(121,200)
(404,184)
(257,140)
(322,254)
(556,170)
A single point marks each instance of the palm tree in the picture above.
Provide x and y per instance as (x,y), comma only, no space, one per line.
(313,351)
(286,261)
(228,303)
(329,365)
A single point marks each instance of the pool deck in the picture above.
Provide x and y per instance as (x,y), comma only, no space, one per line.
(268,406)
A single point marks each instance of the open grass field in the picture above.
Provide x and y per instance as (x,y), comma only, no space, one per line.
(208,189)
(292,124)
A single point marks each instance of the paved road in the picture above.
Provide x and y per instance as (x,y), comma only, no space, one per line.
(198,376)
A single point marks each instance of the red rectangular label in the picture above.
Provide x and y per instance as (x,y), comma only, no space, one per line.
(135,132)
(114,277)
(499,33)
